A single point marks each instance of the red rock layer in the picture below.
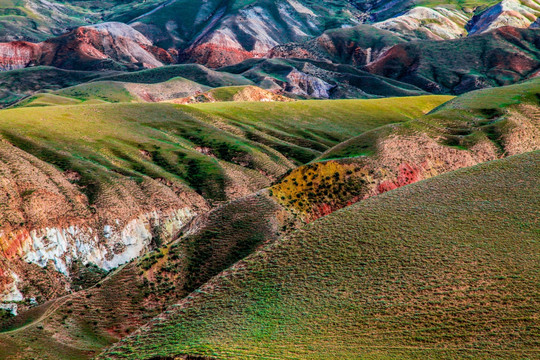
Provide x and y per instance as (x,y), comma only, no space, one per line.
(215,56)
(83,49)
(407,174)
(18,54)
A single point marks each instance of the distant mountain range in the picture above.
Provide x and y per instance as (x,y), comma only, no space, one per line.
(330,51)
(337,47)
(175,182)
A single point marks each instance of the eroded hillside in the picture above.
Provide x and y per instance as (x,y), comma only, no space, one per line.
(403,275)
(127,177)
(468,130)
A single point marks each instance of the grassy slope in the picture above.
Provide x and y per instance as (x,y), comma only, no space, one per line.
(470,129)
(81,325)
(445,268)
(165,141)
(193,72)
(102,91)
(195,259)
(19,83)
(462,121)
(115,91)
(301,129)
(110,85)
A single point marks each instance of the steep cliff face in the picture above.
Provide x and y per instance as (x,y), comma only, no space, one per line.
(250,33)
(102,46)
(56,250)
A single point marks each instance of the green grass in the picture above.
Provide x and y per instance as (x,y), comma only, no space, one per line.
(161,141)
(115,92)
(495,98)
(17,84)
(475,127)
(226,93)
(191,149)
(46,99)
(109,91)
(461,122)
(301,129)
(193,72)
(442,269)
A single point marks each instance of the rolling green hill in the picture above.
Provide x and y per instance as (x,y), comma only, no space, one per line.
(17,84)
(133,156)
(116,92)
(193,72)
(110,86)
(239,148)
(445,268)
(475,127)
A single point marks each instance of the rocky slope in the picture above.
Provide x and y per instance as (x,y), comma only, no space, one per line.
(218,33)
(516,13)
(358,45)
(453,21)
(500,57)
(95,47)
(439,23)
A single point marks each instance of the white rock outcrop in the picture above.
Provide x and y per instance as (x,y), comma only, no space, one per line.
(115,247)
(107,248)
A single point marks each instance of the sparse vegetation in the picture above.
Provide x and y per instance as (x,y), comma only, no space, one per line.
(408,274)
(189,195)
